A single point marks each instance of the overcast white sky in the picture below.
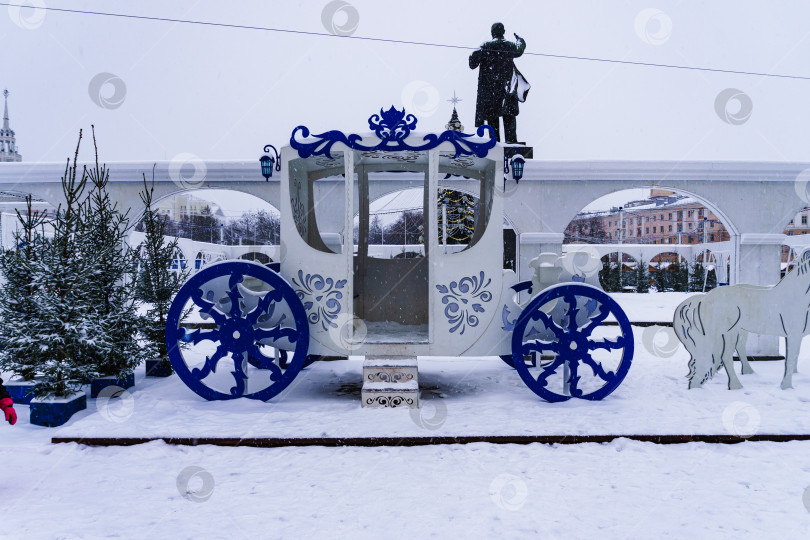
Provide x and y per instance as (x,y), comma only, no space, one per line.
(223,93)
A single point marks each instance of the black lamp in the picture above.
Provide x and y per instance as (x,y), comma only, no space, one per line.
(517,167)
(512,156)
(268,162)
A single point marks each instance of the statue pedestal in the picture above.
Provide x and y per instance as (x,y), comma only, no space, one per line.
(510,150)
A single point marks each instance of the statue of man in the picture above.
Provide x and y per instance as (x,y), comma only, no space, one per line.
(500,85)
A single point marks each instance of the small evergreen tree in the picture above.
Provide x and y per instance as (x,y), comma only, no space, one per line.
(681,277)
(696,276)
(673,276)
(55,339)
(711,280)
(18,293)
(660,278)
(110,292)
(67,309)
(642,277)
(609,276)
(156,282)
(629,277)
(616,281)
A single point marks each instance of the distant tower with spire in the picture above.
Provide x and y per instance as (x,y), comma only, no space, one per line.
(8,143)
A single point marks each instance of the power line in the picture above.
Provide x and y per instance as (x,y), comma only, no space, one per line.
(405,42)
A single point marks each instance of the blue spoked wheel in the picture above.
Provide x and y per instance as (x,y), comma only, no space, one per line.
(261,338)
(579,356)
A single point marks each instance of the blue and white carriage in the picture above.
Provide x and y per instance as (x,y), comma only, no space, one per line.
(329,298)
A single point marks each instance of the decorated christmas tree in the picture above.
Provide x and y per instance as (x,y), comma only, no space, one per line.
(454,124)
(460,215)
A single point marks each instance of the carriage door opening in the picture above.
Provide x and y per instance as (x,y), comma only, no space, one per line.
(391,258)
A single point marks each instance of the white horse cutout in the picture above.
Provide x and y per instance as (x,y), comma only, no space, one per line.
(713,325)
(690,331)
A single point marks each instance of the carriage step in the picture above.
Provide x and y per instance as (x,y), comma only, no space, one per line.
(390,370)
(383,394)
(390,382)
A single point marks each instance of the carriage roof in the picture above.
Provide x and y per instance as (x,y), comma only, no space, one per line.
(393,145)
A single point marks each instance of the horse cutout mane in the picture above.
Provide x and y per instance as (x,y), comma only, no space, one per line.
(802,266)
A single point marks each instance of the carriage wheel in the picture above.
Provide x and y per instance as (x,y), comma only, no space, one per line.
(261,338)
(590,359)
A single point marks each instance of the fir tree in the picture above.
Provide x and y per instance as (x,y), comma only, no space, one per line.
(156,282)
(55,339)
(660,278)
(696,276)
(641,277)
(110,292)
(629,278)
(679,276)
(460,217)
(609,276)
(711,280)
(18,293)
(67,309)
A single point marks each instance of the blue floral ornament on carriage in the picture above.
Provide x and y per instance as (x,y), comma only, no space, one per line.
(392,128)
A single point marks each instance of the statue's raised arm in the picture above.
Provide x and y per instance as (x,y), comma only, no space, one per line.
(520,47)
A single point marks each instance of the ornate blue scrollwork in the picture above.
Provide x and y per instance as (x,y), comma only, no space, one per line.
(245,320)
(392,127)
(463,299)
(321,297)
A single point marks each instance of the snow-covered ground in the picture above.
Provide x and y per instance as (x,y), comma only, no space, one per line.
(650,307)
(622,489)
(464,396)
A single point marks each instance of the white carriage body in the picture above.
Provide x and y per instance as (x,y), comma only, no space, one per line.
(330,296)
(447,302)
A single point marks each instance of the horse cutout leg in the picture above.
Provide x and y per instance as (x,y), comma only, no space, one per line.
(791,359)
(724,350)
(741,340)
(796,364)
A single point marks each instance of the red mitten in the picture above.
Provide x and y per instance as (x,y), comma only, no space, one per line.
(8,407)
